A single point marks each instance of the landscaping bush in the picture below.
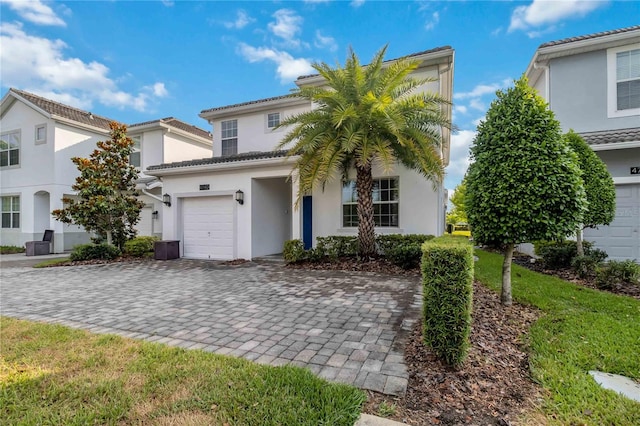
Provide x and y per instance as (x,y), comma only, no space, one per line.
(336,246)
(294,251)
(94,251)
(616,272)
(447,276)
(387,242)
(559,254)
(140,246)
(11,249)
(402,250)
(585,266)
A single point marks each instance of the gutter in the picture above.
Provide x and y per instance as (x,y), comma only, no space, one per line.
(214,167)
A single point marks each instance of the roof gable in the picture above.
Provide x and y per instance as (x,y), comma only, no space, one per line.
(175,123)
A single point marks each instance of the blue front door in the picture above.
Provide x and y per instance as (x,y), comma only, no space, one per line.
(307,222)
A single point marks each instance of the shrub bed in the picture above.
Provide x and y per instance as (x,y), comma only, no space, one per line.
(447,276)
(94,251)
(139,246)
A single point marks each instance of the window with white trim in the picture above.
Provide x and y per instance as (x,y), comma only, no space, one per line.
(11,212)
(10,148)
(386,203)
(41,134)
(623,69)
(229,137)
(134,157)
(273,120)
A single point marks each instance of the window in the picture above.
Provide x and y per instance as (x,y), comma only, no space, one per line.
(41,134)
(10,148)
(229,136)
(623,68)
(134,157)
(11,212)
(385,203)
(273,120)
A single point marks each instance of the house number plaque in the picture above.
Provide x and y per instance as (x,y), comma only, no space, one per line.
(204,187)
(635,170)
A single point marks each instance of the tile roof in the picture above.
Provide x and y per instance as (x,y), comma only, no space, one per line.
(178,124)
(611,136)
(258,101)
(258,155)
(65,111)
(411,55)
(589,36)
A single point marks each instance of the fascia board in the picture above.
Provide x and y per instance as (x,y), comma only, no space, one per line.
(170,129)
(11,97)
(255,107)
(75,124)
(223,167)
(615,145)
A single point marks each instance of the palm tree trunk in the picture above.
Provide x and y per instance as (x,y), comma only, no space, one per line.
(366,223)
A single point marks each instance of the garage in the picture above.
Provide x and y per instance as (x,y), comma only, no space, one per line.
(207,228)
(621,239)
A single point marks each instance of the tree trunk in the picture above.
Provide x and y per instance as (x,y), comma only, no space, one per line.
(579,246)
(109,238)
(366,223)
(505,297)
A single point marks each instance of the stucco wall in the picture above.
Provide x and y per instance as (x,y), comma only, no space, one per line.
(179,148)
(270,215)
(579,93)
(620,161)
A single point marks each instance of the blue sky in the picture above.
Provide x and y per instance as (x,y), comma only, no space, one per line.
(143,60)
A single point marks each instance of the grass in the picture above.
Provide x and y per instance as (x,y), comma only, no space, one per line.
(580,330)
(52,374)
(11,249)
(51,262)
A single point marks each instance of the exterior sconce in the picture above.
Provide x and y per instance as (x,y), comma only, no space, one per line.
(154,214)
(240,197)
(166,199)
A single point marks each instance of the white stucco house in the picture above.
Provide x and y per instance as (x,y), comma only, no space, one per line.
(38,139)
(592,83)
(241,202)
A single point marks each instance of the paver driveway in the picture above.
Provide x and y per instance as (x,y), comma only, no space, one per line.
(344,326)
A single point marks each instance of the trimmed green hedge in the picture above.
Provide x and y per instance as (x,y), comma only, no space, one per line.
(94,251)
(139,246)
(447,277)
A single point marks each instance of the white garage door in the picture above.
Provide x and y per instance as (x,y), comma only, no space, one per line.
(145,224)
(621,239)
(207,227)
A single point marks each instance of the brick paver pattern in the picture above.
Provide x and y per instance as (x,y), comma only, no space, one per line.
(348,327)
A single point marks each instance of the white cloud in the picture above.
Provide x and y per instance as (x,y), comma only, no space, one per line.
(36,12)
(316,1)
(39,65)
(168,3)
(286,26)
(459,156)
(357,3)
(483,89)
(460,108)
(431,24)
(545,12)
(325,42)
(289,68)
(242,20)
(476,103)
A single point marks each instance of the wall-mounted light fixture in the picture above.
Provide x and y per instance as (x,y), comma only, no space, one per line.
(240,197)
(166,199)
(154,214)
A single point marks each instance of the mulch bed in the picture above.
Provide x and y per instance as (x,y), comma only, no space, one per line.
(568,274)
(493,387)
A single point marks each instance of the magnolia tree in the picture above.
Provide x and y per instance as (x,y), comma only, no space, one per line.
(107,202)
(598,185)
(524,183)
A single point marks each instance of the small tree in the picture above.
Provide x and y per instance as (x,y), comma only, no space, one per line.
(598,185)
(107,201)
(458,213)
(524,184)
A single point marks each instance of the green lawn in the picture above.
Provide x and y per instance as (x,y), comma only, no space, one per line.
(580,330)
(56,375)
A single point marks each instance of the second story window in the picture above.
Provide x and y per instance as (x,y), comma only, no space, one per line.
(628,79)
(10,148)
(273,120)
(229,137)
(134,157)
(41,134)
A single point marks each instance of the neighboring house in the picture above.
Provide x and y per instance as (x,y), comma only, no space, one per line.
(39,138)
(592,84)
(241,203)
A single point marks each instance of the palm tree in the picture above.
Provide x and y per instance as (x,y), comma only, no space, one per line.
(361,116)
